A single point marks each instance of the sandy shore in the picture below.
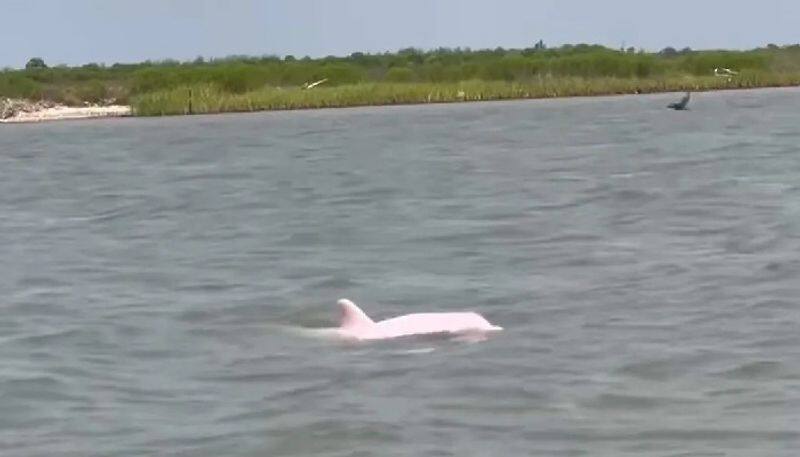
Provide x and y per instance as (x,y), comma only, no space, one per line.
(69,112)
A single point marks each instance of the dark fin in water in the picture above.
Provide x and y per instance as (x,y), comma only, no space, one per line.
(681,105)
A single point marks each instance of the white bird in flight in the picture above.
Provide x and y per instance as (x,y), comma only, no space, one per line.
(725,73)
(314,84)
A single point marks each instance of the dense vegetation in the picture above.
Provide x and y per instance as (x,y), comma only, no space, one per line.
(408,76)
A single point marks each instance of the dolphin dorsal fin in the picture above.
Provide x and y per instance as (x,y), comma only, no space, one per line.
(352,316)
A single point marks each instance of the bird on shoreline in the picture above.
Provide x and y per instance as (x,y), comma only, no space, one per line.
(681,105)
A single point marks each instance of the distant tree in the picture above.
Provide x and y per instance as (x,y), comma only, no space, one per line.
(669,51)
(199,60)
(128,66)
(772,46)
(289,58)
(409,51)
(539,46)
(630,50)
(35,62)
(412,55)
(686,50)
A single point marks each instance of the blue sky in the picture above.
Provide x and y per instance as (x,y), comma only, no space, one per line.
(82,31)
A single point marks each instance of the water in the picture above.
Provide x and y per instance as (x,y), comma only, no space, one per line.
(644,263)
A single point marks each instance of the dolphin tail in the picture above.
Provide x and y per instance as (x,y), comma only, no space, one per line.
(351,315)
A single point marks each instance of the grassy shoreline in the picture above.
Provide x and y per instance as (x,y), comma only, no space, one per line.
(409,76)
(207,99)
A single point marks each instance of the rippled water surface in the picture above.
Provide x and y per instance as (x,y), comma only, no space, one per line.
(644,262)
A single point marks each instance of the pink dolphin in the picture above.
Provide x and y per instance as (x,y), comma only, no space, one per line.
(355,324)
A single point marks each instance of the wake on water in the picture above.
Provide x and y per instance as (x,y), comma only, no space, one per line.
(333,335)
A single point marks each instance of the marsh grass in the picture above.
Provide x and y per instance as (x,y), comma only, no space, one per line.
(208,98)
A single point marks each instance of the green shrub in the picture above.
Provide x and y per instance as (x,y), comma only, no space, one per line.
(92,92)
(238,80)
(399,75)
(153,79)
(16,85)
(339,74)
